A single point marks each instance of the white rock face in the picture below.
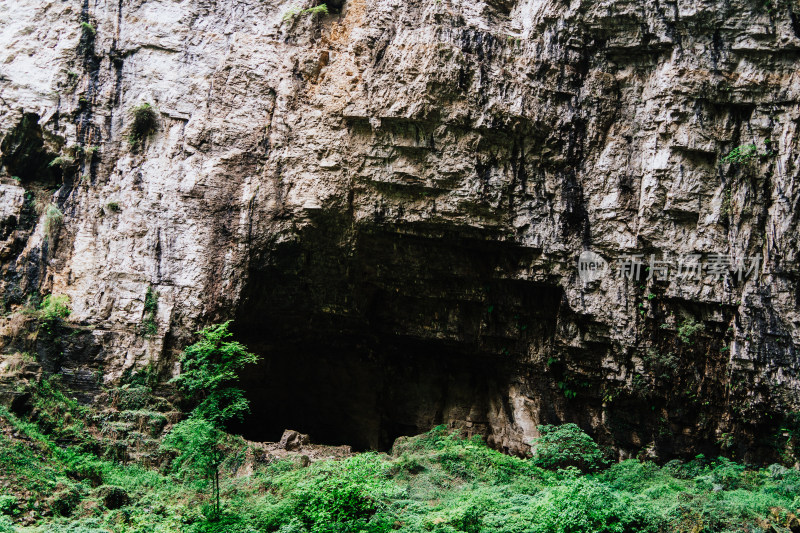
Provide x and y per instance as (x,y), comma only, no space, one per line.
(406,155)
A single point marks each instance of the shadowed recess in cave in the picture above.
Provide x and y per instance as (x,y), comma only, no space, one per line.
(372,336)
(344,392)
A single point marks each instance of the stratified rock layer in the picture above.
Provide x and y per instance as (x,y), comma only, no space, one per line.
(391,199)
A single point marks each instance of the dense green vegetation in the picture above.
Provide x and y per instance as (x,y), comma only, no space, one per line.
(58,467)
(434,482)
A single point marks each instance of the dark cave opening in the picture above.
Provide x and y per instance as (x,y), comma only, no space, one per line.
(355,393)
(368,336)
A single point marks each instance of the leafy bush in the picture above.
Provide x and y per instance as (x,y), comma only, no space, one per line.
(113,497)
(586,506)
(63,161)
(144,122)
(348,492)
(88,29)
(6,525)
(564,446)
(52,311)
(83,467)
(227,523)
(131,397)
(8,505)
(65,501)
(79,526)
(688,328)
(741,154)
(197,441)
(319,10)
(54,307)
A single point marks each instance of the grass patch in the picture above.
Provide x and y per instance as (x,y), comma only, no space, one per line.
(53,219)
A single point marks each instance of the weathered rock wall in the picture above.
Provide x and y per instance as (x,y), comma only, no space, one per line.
(378,194)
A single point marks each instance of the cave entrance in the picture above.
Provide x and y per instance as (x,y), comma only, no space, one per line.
(368,336)
(351,391)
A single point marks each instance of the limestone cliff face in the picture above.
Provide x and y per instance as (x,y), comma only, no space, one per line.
(390,201)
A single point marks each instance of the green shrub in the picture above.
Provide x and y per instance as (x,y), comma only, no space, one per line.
(6,525)
(741,154)
(131,397)
(113,497)
(149,326)
(583,505)
(227,523)
(564,446)
(90,525)
(688,328)
(88,29)
(348,492)
(52,311)
(54,307)
(63,161)
(315,11)
(8,505)
(321,9)
(83,467)
(144,122)
(65,501)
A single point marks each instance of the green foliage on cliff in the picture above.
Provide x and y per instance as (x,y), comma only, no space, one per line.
(688,328)
(144,122)
(53,218)
(149,326)
(319,10)
(54,307)
(52,311)
(748,152)
(741,154)
(88,29)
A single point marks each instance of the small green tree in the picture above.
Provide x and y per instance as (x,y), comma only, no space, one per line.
(199,443)
(209,372)
(564,446)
